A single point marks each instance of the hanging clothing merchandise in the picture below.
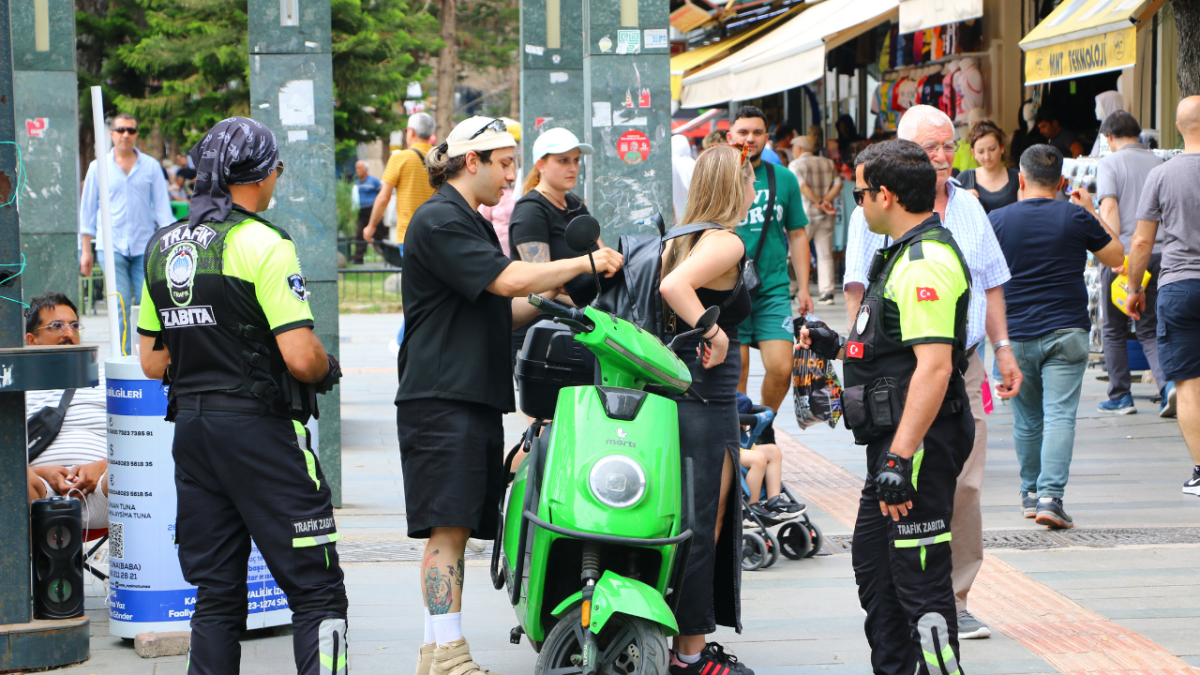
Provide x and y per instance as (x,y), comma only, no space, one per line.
(970,36)
(881,104)
(948,102)
(885,58)
(926,45)
(971,92)
(919,47)
(939,43)
(893,46)
(904,95)
(950,36)
(931,88)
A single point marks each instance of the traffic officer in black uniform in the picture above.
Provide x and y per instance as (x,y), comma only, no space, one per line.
(905,399)
(225,322)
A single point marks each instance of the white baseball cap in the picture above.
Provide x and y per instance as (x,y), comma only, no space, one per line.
(478,134)
(556,141)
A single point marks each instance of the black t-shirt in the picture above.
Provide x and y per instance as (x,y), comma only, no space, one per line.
(536,219)
(1046,243)
(992,200)
(456,333)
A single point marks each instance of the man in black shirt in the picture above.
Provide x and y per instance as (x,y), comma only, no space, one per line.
(462,297)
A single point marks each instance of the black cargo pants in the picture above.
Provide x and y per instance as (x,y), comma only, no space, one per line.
(240,475)
(903,568)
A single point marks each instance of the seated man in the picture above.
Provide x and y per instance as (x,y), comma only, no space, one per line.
(75,462)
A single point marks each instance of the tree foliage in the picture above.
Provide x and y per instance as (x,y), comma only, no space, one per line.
(184,64)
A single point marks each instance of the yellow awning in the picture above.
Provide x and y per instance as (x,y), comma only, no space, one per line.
(1085,37)
(682,63)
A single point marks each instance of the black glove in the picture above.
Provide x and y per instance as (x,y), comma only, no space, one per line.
(826,343)
(893,480)
(332,377)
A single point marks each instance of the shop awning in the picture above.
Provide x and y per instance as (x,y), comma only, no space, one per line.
(788,56)
(918,15)
(1085,37)
(682,63)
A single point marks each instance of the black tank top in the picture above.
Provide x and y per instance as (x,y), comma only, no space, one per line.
(734,314)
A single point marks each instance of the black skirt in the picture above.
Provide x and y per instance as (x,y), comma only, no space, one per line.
(711,589)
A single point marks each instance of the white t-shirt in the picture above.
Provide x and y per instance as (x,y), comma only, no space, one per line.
(84,435)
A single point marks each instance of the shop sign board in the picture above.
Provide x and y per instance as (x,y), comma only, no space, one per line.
(1086,56)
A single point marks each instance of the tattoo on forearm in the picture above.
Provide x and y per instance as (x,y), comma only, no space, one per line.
(437,587)
(534,252)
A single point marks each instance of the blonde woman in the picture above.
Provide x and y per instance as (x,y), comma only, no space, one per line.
(701,268)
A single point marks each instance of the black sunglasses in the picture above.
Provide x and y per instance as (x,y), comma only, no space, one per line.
(132,131)
(496,124)
(860,192)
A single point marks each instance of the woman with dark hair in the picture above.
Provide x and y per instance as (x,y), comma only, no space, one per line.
(702,269)
(847,134)
(995,184)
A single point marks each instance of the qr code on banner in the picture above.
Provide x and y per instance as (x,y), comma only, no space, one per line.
(116,540)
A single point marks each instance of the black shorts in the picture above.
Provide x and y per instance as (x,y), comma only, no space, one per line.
(452,455)
(1179,329)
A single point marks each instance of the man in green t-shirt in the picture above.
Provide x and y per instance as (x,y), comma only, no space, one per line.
(769,327)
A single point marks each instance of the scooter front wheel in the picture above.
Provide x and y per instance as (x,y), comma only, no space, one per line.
(627,646)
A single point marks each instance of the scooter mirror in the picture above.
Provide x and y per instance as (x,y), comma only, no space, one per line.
(708,318)
(582,233)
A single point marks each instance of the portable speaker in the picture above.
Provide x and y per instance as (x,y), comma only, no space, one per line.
(57,527)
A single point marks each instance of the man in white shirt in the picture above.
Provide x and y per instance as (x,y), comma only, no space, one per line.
(963,215)
(75,463)
(140,204)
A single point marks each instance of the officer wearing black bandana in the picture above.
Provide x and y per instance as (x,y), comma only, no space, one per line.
(225,322)
(906,400)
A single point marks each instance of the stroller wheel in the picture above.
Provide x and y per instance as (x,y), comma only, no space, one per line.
(754,551)
(794,541)
(772,548)
(817,539)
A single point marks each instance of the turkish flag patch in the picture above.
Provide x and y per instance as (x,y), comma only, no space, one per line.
(925,293)
(854,350)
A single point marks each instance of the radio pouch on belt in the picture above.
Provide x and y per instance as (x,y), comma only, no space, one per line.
(873,411)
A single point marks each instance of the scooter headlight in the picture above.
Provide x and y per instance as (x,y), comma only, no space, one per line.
(617,481)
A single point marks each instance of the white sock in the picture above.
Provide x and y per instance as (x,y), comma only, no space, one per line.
(446,627)
(428,627)
(688,658)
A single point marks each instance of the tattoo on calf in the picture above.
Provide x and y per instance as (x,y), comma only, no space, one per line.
(534,251)
(437,588)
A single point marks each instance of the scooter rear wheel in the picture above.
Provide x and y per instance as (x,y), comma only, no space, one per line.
(627,646)
(754,551)
(794,541)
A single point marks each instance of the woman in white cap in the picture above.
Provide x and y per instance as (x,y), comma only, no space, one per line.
(462,296)
(539,220)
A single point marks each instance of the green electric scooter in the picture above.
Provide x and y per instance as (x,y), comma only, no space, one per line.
(599,519)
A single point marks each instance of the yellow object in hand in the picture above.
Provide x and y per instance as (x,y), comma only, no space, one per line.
(1120,287)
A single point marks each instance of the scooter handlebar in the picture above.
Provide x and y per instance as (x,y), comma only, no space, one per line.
(573,317)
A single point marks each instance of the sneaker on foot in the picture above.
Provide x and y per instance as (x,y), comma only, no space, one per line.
(826,299)
(970,628)
(425,658)
(476,545)
(760,511)
(454,658)
(1051,514)
(716,653)
(781,505)
(1167,407)
(1192,487)
(1029,501)
(1121,406)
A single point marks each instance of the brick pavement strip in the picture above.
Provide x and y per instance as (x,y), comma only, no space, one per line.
(1069,637)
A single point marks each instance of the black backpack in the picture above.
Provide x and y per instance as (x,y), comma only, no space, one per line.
(44,425)
(633,294)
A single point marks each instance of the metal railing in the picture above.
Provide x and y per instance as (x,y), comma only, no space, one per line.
(380,285)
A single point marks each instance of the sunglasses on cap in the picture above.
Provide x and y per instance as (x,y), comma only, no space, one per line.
(859,193)
(496,125)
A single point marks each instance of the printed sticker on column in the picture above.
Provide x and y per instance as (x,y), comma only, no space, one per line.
(556,78)
(296,135)
(656,38)
(535,50)
(296,108)
(556,59)
(629,41)
(605,44)
(601,114)
(36,127)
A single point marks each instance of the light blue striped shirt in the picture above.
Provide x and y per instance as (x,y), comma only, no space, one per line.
(139,203)
(967,221)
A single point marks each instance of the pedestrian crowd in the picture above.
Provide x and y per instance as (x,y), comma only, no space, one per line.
(937,262)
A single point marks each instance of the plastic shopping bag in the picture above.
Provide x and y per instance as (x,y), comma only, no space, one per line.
(816,391)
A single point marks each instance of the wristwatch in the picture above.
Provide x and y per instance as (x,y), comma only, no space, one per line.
(1001,343)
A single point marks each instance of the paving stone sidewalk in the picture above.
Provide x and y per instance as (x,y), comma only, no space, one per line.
(800,617)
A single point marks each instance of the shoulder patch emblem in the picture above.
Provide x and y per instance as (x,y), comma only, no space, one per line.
(925,293)
(181,273)
(296,284)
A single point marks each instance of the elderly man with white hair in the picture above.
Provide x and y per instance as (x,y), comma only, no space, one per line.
(820,184)
(963,215)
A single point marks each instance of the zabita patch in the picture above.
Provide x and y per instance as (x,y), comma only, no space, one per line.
(298,286)
(184,317)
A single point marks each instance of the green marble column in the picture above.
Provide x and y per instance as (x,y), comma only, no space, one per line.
(551,71)
(46,104)
(291,91)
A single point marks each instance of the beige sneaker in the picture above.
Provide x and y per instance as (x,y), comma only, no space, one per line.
(454,658)
(425,660)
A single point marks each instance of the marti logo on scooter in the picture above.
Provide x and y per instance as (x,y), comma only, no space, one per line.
(596,530)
